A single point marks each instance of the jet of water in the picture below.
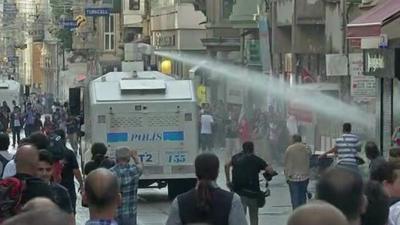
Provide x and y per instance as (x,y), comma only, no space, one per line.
(263,84)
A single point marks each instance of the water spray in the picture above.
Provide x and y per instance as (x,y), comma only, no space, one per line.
(263,84)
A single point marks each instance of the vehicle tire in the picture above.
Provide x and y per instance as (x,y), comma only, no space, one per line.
(176,187)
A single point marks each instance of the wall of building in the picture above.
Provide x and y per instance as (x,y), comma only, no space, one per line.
(243,13)
(133,18)
(310,12)
(177,27)
(37,68)
(285,15)
(334,39)
(309,39)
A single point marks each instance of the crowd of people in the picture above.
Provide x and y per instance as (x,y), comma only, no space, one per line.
(37,176)
(28,118)
(39,182)
(228,127)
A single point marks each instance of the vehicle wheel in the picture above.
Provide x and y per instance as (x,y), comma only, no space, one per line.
(176,187)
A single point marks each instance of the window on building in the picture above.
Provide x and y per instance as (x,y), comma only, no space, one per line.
(227,6)
(109,33)
(134,4)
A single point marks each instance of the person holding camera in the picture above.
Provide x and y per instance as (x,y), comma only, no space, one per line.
(246,167)
(297,170)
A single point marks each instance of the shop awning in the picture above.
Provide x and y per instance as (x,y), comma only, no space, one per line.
(371,22)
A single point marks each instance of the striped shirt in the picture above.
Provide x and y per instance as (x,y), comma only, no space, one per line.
(347,148)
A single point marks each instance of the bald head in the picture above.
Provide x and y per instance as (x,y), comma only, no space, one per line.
(102,189)
(343,188)
(317,213)
(27,159)
(39,203)
(40,216)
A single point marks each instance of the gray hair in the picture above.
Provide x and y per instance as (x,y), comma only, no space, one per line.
(122,153)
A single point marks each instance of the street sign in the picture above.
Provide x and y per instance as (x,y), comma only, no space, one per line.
(383,41)
(69,24)
(80,20)
(12,59)
(98,11)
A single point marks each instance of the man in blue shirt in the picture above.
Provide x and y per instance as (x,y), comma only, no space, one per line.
(128,175)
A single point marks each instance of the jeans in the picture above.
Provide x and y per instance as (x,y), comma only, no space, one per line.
(206,142)
(127,220)
(16,135)
(298,192)
(250,203)
(28,130)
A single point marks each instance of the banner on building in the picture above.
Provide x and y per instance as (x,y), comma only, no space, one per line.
(265,50)
(356,64)
(363,87)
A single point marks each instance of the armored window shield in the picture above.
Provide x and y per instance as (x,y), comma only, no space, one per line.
(142,87)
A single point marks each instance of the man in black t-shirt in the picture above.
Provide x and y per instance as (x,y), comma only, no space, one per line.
(246,167)
(70,170)
(99,158)
(45,172)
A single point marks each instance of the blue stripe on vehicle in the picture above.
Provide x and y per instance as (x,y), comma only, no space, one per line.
(173,136)
(117,137)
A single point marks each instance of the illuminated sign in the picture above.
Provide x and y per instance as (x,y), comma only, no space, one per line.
(379,62)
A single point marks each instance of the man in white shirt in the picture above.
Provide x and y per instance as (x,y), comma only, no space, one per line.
(5,156)
(206,140)
(292,125)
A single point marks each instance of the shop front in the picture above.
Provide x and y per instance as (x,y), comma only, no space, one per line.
(377,34)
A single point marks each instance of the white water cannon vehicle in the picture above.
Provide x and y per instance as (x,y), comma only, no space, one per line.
(152,113)
(10,90)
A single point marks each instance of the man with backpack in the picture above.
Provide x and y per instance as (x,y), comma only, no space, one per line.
(246,167)
(5,156)
(17,190)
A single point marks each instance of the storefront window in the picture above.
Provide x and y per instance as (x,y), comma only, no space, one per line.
(134,4)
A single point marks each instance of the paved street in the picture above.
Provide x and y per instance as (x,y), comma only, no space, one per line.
(154,204)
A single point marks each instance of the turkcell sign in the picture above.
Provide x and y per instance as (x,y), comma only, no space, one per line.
(69,24)
(97,11)
(166,136)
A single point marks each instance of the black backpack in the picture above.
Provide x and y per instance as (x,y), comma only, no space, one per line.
(56,147)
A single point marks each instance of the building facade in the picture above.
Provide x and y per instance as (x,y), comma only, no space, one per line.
(176,26)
